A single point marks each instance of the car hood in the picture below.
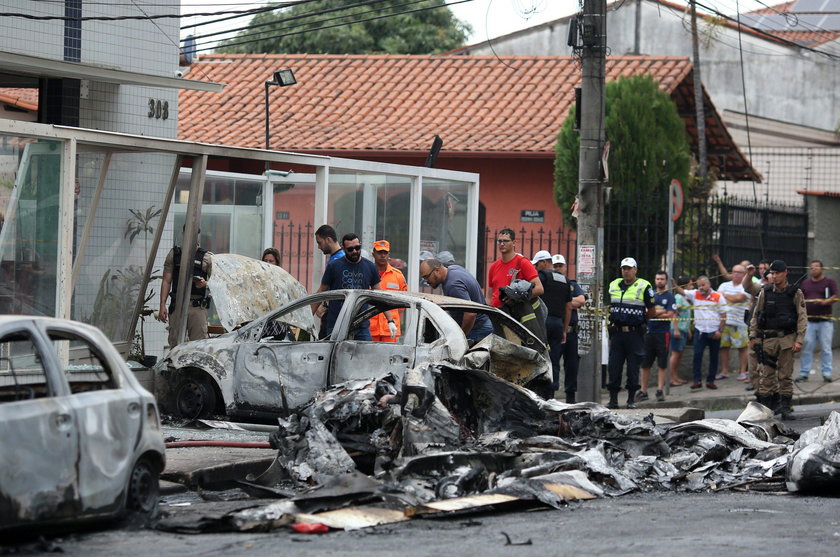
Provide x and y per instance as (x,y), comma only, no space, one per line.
(245,289)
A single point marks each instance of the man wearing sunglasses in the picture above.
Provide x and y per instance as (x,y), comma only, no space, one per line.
(353,272)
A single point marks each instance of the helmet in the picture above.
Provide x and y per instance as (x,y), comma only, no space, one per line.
(518,291)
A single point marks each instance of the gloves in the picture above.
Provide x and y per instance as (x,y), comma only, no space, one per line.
(392,328)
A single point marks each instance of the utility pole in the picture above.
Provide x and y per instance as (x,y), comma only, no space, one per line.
(590,230)
(698,102)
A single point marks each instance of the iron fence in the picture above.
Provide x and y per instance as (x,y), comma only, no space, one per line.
(528,242)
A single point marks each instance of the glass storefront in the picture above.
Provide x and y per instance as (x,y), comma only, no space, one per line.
(30,175)
(99,258)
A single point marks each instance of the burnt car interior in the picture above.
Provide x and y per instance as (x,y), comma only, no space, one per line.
(22,374)
(372,310)
(86,369)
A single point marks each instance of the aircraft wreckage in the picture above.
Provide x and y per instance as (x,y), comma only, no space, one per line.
(445,439)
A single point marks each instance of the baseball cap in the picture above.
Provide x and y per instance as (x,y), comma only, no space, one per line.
(446,258)
(628,262)
(426,254)
(558,259)
(778,265)
(540,256)
(381,245)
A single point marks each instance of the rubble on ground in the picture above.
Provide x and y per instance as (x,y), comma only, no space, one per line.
(447,439)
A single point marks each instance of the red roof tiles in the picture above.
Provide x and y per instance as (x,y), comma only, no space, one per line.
(397,103)
(356,105)
(19,97)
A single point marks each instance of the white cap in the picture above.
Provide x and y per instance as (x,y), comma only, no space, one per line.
(540,256)
(628,262)
(558,259)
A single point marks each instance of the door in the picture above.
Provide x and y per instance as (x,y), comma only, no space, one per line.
(284,367)
(362,359)
(110,415)
(38,462)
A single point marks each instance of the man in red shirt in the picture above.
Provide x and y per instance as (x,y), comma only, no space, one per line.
(390,279)
(509,266)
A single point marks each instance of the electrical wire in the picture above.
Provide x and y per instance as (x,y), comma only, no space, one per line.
(310,30)
(135,17)
(304,16)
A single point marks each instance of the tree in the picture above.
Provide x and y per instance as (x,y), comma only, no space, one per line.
(305,29)
(649,148)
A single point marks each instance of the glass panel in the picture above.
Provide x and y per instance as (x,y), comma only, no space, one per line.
(121,236)
(443,228)
(30,178)
(294,231)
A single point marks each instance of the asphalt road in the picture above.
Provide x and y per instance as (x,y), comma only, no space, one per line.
(722,523)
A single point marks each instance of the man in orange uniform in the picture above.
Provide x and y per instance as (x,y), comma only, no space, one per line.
(390,279)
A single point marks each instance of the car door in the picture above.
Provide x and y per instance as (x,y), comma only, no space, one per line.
(39,431)
(109,413)
(361,359)
(283,365)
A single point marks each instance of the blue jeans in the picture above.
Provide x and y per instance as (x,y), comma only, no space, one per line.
(818,332)
(701,341)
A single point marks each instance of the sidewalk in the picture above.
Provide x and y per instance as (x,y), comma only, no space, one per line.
(732,394)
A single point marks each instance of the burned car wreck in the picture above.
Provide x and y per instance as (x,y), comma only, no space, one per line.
(276,364)
(81,438)
(445,439)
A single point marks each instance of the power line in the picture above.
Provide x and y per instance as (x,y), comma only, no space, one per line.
(309,30)
(304,16)
(136,17)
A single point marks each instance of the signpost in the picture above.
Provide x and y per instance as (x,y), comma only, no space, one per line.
(675,207)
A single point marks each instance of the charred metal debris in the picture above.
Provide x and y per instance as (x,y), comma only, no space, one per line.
(445,439)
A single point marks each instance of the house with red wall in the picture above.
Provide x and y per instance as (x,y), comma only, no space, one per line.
(498,117)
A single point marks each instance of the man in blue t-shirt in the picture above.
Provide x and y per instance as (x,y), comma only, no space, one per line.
(457,282)
(351,271)
(658,337)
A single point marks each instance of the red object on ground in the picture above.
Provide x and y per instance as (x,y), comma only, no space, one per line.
(317,528)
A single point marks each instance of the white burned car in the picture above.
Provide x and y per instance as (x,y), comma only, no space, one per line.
(277,363)
(80,437)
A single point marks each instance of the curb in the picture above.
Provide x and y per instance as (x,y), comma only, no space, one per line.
(734,402)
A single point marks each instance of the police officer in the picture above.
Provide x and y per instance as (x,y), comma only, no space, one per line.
(202,267)
(777,329)
(557,295)
(631,304)
(571,358)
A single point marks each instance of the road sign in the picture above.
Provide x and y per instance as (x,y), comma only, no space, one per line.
(675,196)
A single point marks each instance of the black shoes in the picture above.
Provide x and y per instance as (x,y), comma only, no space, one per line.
(660,396)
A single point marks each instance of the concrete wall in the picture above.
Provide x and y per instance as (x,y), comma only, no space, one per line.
(784,83)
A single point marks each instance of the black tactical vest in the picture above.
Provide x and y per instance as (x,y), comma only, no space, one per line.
(197,270)
(558,291)
(779,311)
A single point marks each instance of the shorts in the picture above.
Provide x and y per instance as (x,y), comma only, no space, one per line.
(678,344)
(656,348)
(734,336)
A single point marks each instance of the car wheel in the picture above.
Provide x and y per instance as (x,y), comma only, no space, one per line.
(143,489)
(194,398)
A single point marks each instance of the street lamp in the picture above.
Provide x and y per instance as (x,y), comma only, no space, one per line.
(282,78)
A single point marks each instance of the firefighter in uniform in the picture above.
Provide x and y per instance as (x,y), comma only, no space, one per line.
(199,301)
(631,304)
(777,331)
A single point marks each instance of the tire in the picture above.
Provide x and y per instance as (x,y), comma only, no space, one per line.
(143,489)
(194,398)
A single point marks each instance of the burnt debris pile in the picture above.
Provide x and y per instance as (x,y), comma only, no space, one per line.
(445,439)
